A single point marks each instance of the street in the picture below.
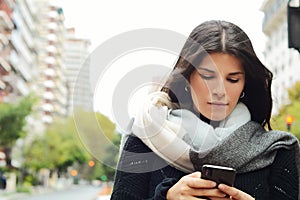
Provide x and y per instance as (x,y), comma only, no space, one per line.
(78,192)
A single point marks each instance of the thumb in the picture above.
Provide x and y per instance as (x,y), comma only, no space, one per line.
(195,174)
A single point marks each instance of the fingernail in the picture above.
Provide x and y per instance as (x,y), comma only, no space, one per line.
(221,186)
(213,184)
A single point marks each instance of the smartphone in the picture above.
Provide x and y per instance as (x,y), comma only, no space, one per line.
(219,174)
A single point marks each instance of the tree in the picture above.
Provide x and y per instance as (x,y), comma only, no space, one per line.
(99,136)
(73,142)
(12,121)
(294,92)
(57,149)
(111,158)
(291,109)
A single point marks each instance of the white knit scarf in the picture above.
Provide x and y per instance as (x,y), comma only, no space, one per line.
(172,133)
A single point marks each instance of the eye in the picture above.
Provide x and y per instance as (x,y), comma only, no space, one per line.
(206,76)
(233,80)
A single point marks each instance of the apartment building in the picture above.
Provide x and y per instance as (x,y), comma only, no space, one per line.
(51,85)
(38,54)
(17,62)
(284,62)
(76,64)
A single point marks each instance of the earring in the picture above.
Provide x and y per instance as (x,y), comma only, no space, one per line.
(186,88)
(242,95)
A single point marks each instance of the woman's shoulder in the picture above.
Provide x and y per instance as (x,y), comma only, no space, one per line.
(288,155)
(284,154)
(134,144)
(259,130)
(136,157)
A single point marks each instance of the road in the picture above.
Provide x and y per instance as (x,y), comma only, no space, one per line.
(78,192)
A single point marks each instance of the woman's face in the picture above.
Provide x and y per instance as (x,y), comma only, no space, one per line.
(216,85)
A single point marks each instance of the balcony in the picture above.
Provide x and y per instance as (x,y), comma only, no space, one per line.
(47,107)
(15,84)
(21,65)
(5,21)
(49,72)
(3,41)
(22,87)
(48,96)
(52,26)
(5,65)
(52,37)
(47,119)
(2,85)
(49,84)
(51,49)
(50,60)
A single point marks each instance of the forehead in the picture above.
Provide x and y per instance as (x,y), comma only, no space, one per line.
(221,62)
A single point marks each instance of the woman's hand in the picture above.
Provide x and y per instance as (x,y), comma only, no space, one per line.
(193,187)
(234,193)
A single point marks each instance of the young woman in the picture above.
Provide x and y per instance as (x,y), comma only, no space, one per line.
(215,108)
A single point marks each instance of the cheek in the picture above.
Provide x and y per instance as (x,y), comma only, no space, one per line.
(197,84)
(200,88)
(234,93)
(200,94)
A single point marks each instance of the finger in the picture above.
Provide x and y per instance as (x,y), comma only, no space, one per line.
(231,191)
(201,183)
(218,198)
(193,180)
(194,174)
(234,192)
(208,193)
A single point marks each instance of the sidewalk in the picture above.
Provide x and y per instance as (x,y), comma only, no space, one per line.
(7,195)
(12,195)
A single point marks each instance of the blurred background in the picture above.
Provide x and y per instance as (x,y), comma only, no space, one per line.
(45,43)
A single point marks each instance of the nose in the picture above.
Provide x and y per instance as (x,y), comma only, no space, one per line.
(219,89)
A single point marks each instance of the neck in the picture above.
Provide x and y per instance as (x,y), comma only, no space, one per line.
(214,124)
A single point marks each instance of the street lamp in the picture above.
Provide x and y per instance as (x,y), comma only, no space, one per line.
(289,121)
(91,163)
(293,11)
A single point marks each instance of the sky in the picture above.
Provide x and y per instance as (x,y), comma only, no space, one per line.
(100,21)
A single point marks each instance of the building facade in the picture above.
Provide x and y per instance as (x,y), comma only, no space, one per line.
(17,62)
(51,86)
(39,54)
(281,60)
(76,60)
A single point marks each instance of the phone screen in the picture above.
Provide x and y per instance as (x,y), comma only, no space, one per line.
(219,174)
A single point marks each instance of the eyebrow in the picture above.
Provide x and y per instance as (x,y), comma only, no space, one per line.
(212,71)
(236,73)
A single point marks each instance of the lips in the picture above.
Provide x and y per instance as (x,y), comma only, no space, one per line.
(218,103)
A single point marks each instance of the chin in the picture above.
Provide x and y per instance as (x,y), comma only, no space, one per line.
(217,117)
